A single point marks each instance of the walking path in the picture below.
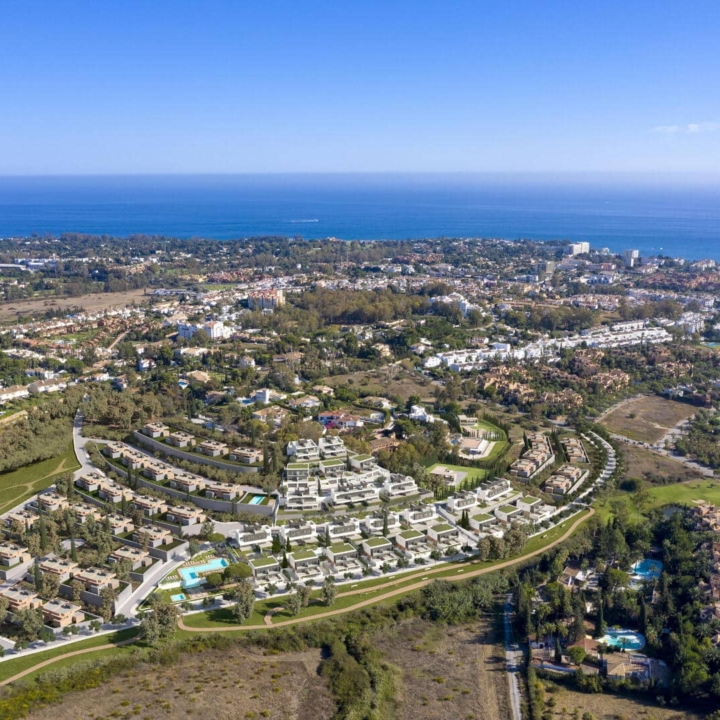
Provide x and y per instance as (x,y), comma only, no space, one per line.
(50,661)
(399,591)
(513,657)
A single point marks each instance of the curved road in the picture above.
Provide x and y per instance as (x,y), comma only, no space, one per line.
(328,613)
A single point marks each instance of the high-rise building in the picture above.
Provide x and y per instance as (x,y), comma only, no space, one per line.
(578,248)
(631,257)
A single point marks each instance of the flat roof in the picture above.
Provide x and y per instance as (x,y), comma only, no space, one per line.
(508,508)
(530,499)
(410,534)
(303,555)
(341,548)
(298,466)
(377,542)
(263,562)
(442,527)
(481,517)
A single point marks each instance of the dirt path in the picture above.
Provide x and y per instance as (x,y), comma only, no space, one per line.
(399,591)
(52,660)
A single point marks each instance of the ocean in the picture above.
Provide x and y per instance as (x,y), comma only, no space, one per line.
(672,219)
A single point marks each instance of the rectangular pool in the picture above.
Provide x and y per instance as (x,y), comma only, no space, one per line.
(191,576)
(256,499)
(178,598)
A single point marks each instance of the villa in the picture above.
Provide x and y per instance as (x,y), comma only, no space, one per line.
(185,515)
(137,558)
(156,430)
(246,455)
(489,492)
(91,482)
(445,537)
(398,486)
(341,527)
(12,555)
(119,524)
(263,567)
(298,530)
(480,522)
(60,613)
(413,544)
(114,450)
(418,513)
(331,447)
(378,549)
(463,500)
(213,448)
(24,518)
(252,535)
(52,502)
(505,513)
(221,490)
(343,557)
(150,506)
(94,579)
(84,510)
(187,482)
(181,439)
(156,536)
(529,504)
(303,450)
(113,492)
(376,522)
(362,462)
(305,564)
(20,598)
(63,569)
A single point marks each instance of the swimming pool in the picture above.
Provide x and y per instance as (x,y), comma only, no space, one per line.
(623,639)
(191,576)
(646,569)
(177,598)
(256,499)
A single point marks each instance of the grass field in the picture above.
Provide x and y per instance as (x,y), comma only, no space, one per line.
(18,485)
(393,381)
(606,706)
(647,419)
(677,494)
(472,473)
(8,668)
(653,468)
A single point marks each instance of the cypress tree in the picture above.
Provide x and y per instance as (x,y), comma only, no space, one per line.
(288,546)
(643,615)
(600,626)
(276,544)
(43,533)
(558,649)
(73,549)
(37,575)
(385,528)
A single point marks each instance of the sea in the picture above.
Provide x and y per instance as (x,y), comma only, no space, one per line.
(673,218)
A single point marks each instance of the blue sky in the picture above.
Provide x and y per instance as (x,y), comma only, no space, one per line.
(232,87)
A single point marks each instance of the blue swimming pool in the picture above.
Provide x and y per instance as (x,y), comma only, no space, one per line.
(646,569)
(178,598)
(256,499)
(623,639)
(191,576)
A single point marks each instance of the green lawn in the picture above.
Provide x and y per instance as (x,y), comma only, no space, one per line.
(20,484)
(472,473)
(675,494)
(12,667)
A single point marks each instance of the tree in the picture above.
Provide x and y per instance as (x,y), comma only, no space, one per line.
(4,604)
(558,650)
(237,571)
(73,550)
(276,544)
(484,550)
(193,547)
(293,604)
(577,654)
(600,626)
(329,591)
(108,602)
(288,546)
(160,622)
(50,585)
(245,595)
(77,588)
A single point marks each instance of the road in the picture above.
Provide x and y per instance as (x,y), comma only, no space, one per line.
(79,447)
(514,657)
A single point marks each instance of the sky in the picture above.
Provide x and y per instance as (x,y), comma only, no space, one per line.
(364,86)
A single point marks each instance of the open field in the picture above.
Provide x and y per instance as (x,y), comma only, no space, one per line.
(647,419)
(447,673)
(389,382)
(677,494)
(655,468)
(92,302)
(18,485)
(228,684)
(609,707)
